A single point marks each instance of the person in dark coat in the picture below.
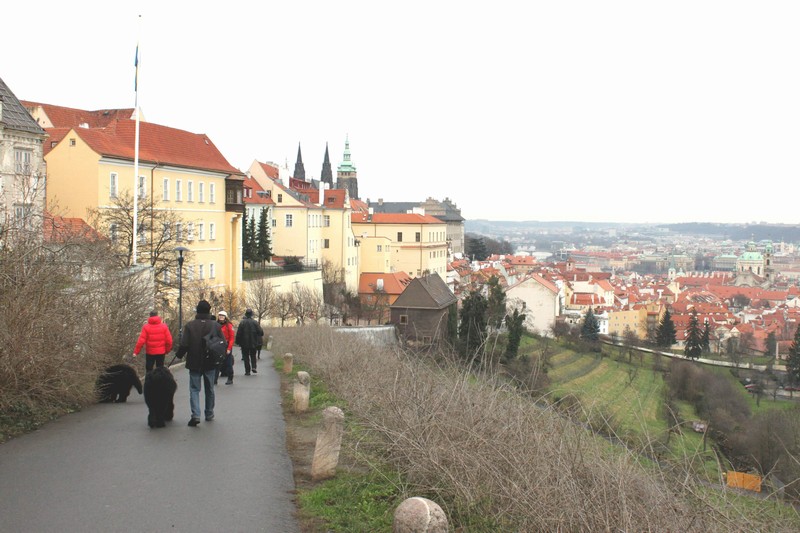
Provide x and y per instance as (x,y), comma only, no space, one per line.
(248,337)
(193,347)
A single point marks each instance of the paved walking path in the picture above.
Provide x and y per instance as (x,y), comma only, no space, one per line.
(103,469)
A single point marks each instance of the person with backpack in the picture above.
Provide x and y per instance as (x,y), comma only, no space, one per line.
(248,337)
(227,332)
(156,340)
(200,362)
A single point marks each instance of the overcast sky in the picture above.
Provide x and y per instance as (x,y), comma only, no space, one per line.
(628,111)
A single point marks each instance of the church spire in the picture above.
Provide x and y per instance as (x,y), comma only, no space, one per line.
(299,169)
(327,173)
(346,176)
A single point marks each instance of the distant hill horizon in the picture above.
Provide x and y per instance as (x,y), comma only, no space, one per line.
(733,231)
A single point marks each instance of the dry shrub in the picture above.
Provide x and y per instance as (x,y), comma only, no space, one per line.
(68,313)
(480,448)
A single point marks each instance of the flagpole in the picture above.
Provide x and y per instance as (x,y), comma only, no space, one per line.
(136,153)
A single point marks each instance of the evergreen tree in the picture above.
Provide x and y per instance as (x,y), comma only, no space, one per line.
(590,330)
(496,303)
(472,328)
(793,361)
(263,242)
(247,252)
(665,333)
(251,239)
(771,344)
(514,323)
(706,343)
(476,248)
(694,338)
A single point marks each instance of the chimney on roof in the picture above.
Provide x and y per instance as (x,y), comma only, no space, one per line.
(380,201)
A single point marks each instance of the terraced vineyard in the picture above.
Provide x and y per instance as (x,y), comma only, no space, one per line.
(631,397)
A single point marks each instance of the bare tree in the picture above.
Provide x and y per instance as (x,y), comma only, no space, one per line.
(160,231)
(260,294)
(307,303)
(283,306)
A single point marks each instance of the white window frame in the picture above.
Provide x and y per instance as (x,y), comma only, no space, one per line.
(201,192)
(22,161)
(212,193)
(113,185)
(212,271)
(201,231)
(200,271)
(190,191)
(212,231)
(327,220)
(165,189)
(142,188)
(190,231)
(178,232)
(288,221)
(178,190)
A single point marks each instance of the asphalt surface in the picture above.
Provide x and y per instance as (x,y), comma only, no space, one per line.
(104,469)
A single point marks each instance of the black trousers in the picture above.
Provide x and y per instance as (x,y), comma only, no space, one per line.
(249,358)
(153,360)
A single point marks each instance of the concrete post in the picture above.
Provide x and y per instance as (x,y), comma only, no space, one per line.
(419,515)
(288,361)
(302,391)
(329,443)
(269,342)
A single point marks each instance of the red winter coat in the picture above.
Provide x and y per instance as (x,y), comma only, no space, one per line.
(227,331)
(155,337)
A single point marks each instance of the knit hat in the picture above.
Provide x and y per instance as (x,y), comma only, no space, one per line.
(222,313)
(153,313)
(248,313)
(203,307)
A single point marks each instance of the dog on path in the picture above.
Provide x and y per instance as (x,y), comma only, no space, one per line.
(159,392)
(115,384)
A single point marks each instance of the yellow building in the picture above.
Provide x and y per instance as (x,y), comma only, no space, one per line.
(92,168)
(311,224)
(639,319)
(418,242)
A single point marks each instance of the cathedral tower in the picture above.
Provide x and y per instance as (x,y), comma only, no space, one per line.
(327,173)
(346,176)
(299,169)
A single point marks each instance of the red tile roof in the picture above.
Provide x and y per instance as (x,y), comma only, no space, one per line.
(255,198)
(68,117)
(56,229)
(270,170)
(393,282)
(395,218)
(157,144)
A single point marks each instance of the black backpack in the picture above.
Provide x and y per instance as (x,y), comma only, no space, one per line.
(216,348)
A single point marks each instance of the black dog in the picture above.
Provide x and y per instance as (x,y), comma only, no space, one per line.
(114,385)
(159,390)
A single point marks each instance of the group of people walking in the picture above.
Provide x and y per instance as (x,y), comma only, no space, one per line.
(157,340)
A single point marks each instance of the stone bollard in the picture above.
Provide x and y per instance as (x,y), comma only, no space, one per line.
(329,442)
(288,361)
(269,342)
(419,515)
(302,391)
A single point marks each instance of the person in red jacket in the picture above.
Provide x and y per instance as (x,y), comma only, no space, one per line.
(156,339)
(228,333)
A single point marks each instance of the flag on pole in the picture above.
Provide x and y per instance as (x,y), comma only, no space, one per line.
(136,64)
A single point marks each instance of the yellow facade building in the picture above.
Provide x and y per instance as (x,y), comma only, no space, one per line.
(418,243)
(90,168)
